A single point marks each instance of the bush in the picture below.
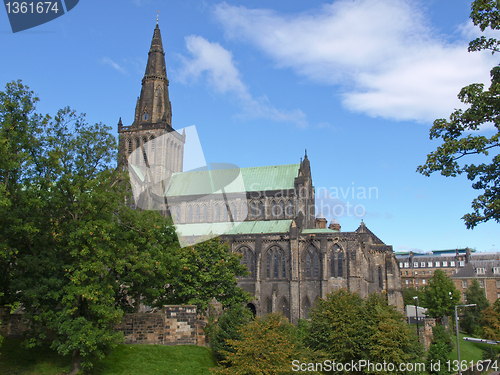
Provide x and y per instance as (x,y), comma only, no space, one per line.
(227,328)
(268,345)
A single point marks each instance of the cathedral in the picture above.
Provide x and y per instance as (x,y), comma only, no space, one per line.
(267,214)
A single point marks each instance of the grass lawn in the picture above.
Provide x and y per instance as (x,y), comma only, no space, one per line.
(125,360)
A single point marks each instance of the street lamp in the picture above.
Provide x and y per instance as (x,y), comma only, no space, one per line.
(458,341)
(416,315)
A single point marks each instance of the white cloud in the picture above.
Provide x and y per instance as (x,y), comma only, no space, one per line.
(387,59)
(216,63)
(108,61)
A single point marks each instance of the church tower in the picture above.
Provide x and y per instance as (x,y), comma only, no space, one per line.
(151,146)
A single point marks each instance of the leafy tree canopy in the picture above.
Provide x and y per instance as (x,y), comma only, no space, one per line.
(460,133)
(71,252)
(268,345)
(472,315)
(437,298)
(346,327)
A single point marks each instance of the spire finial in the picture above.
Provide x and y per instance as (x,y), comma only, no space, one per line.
(306,151)
(157,16)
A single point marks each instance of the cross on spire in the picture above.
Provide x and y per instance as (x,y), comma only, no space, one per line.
(157,16)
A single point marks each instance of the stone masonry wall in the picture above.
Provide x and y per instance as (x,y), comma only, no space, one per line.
(175,325)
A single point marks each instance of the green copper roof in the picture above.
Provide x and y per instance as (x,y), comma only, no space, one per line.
(276,177)
(246,227)
(319,230)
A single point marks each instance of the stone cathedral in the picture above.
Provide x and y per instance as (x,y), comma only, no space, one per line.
(293,257)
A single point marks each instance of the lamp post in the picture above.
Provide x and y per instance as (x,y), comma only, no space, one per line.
(416,315)
(458,341)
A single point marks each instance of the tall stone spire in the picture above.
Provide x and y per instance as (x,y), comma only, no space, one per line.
(153,106)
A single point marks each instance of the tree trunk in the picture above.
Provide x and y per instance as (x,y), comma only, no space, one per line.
(76,362)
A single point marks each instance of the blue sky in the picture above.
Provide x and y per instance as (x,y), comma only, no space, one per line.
(356,83)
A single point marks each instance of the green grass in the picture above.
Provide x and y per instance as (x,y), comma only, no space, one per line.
(469,351)
(124,360)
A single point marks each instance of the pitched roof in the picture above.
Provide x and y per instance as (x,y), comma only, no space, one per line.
(245,227)
(276,177)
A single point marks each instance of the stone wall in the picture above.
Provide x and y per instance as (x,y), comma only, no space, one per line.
(174,325)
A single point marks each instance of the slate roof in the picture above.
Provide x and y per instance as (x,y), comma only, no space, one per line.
(469,270)
(276,177)
(319,230)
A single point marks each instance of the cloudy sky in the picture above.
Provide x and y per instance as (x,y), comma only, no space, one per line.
(357,83)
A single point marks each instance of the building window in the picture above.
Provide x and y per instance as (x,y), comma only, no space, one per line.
(269,304)
(276,263)
(248,259)
(415,264)
(416,282)
(312,263)
(461,263)
(452,263)
(482,283)
(406,273)
(197,214)
(217,213)
(480,270)
(438,264)
(464,284)
(289,210)
(307,308)
(284,307)
(429,264)
(407,265)
(423,281)
(496,270)
(178,213)
(205,214)
(416,272)
(445,264)
(129,146)
(422,264)
(400,264)
(380,277)
(145,116)
(423,272)
(498,284)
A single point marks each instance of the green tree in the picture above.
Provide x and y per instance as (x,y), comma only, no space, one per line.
(470,322)
(268,345)
(65,234)
(227,327)
(338,327)
(436,296)
(347,328)
(458,141)
(207,270)
(490,322)
(408,295)
(439,351)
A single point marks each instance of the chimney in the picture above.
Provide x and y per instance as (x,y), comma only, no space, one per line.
(321,222)
(334,225)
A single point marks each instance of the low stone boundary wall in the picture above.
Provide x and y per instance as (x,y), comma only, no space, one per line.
(174,325)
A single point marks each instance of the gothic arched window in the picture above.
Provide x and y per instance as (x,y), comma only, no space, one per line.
(276,263)
(233,211)
(289,210)
(307,308)
(129,146)
(205,214)
(380,278)
(145,116)
(284,307)
(190,214)
(217,213)
(137,151)
(312,263)
(248,259)
(197,214)
(178,213)
(341,264)
(262,213)
(269,305)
